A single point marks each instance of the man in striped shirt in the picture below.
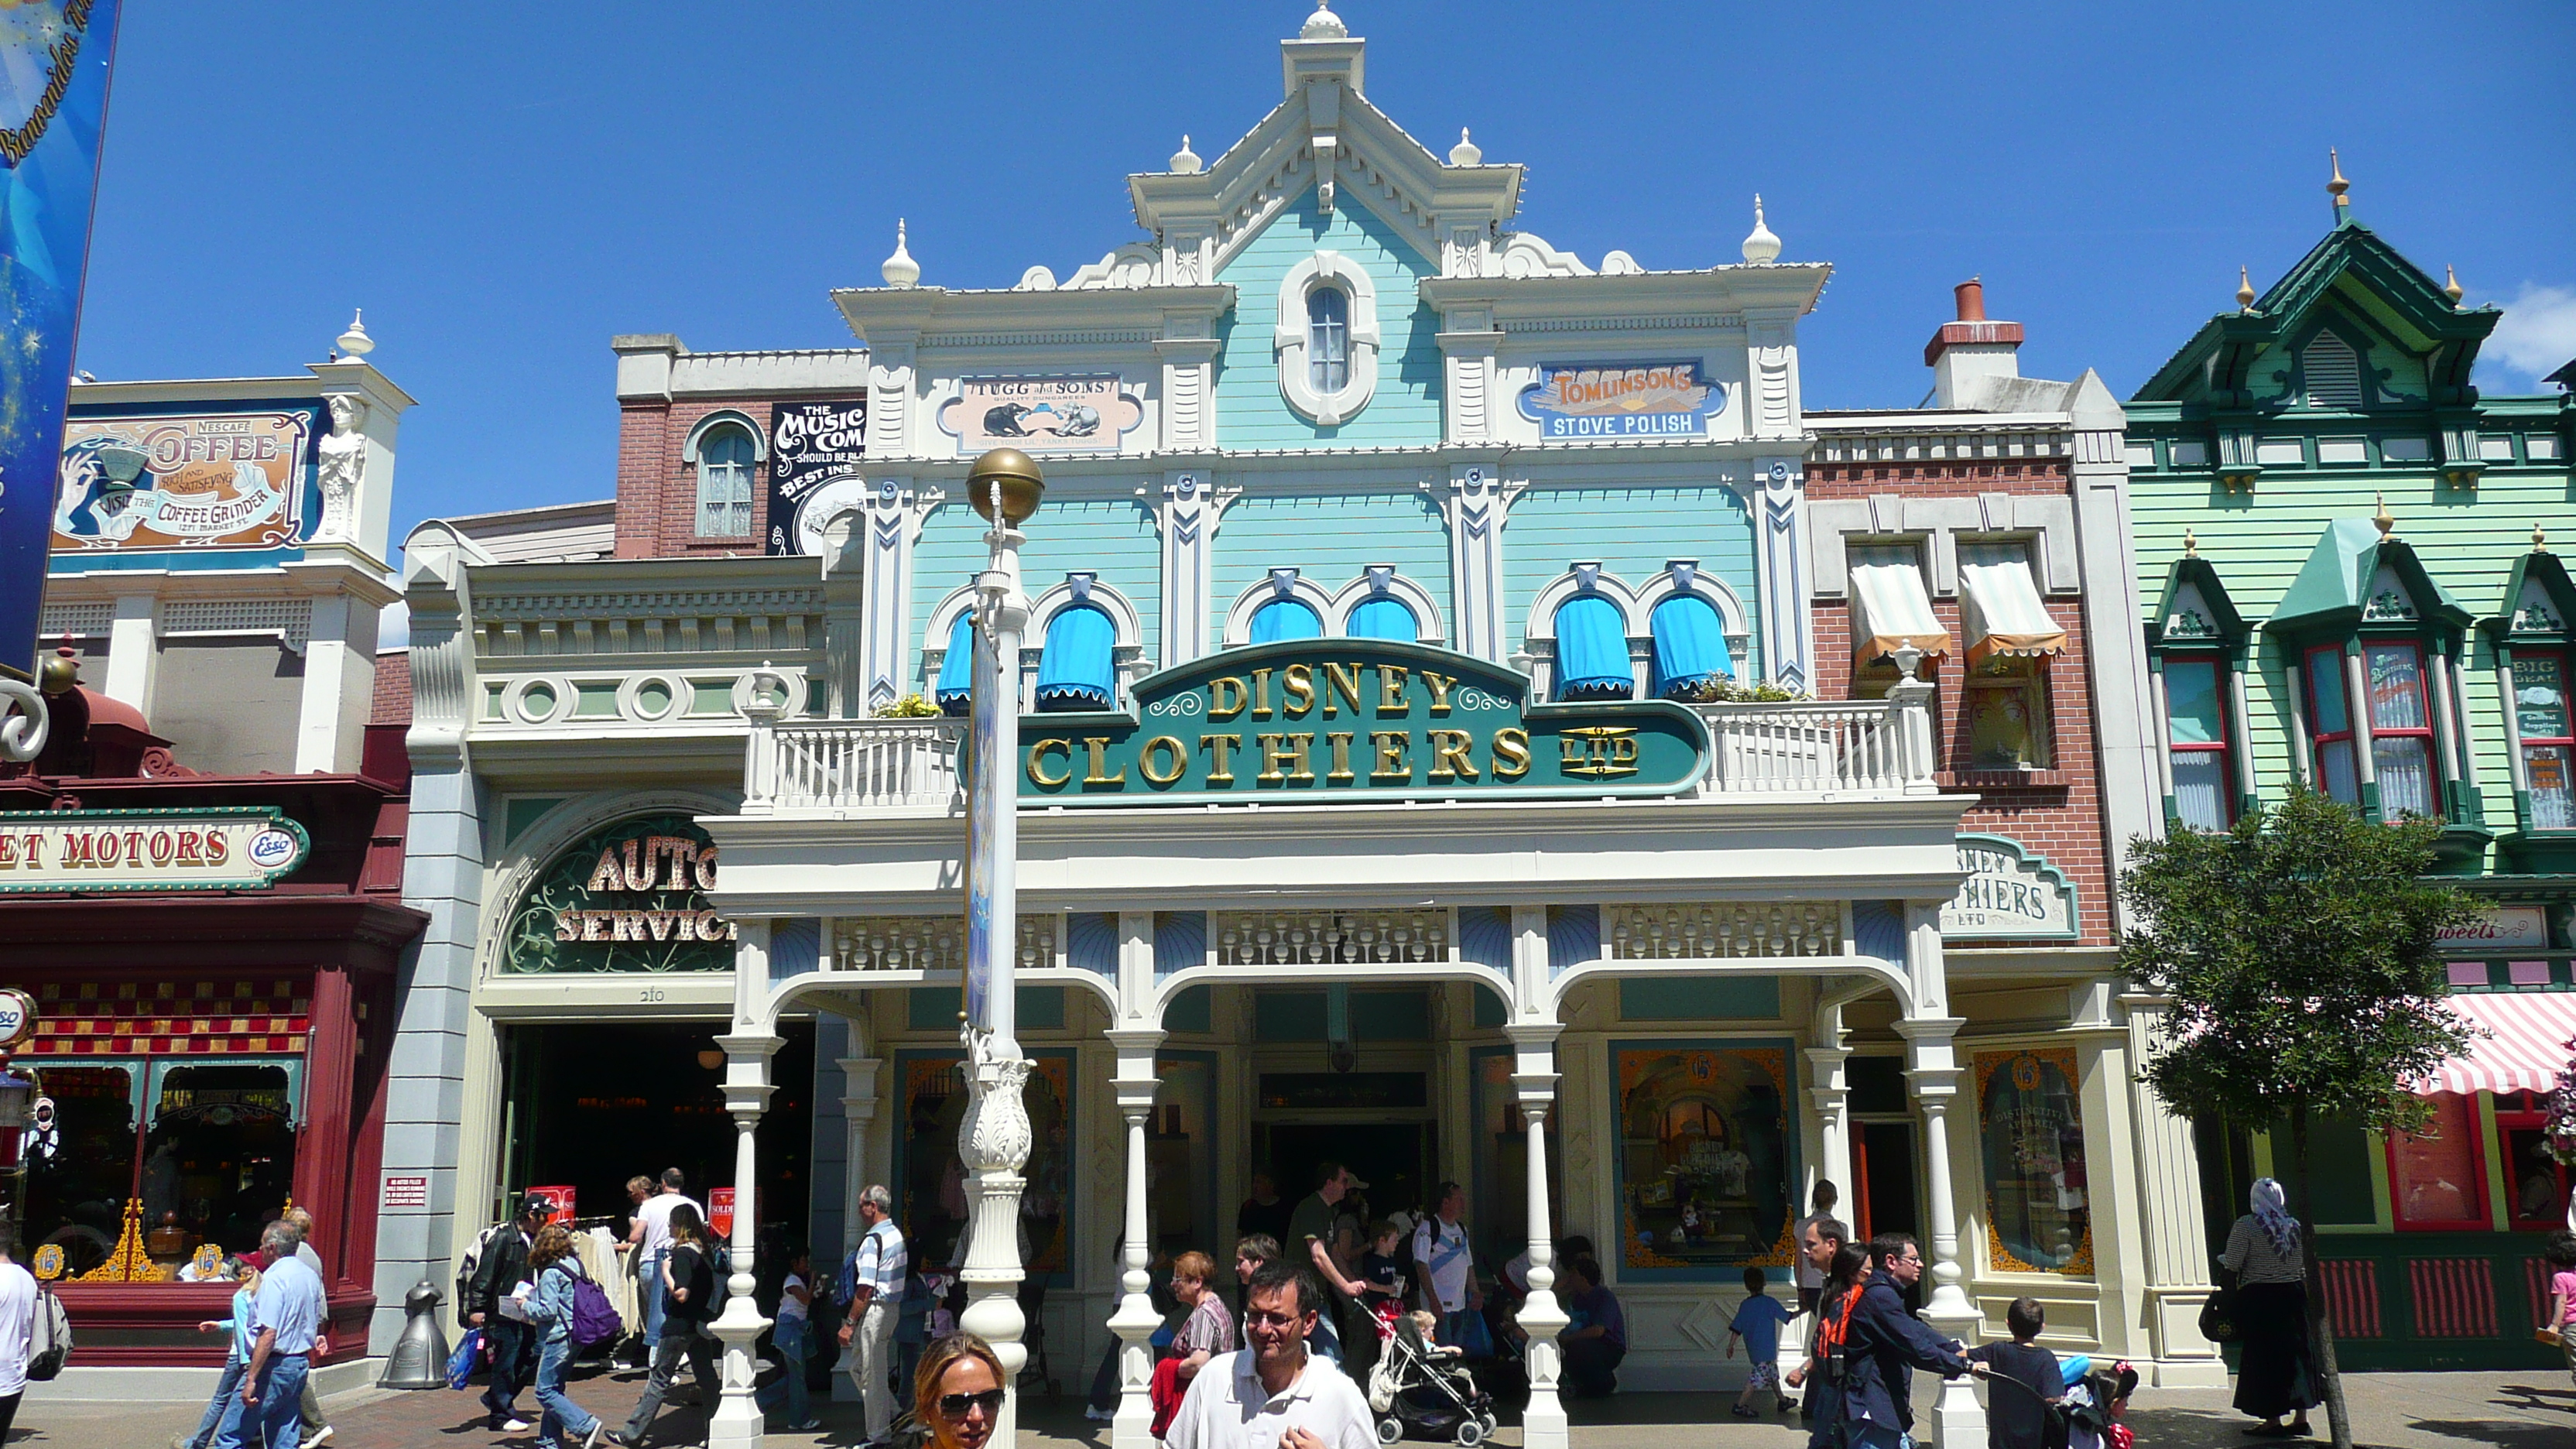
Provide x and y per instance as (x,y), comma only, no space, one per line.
(873,1287)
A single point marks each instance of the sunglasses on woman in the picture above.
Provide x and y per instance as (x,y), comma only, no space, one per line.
(956,1405)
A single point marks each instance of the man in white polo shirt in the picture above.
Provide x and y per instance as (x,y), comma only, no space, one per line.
(1272,1392)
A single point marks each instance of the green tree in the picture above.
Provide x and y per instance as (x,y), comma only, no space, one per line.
(2296,954)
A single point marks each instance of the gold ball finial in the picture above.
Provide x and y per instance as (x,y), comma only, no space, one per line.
(2337,186)
(2190,544)
(1008,479)
(2387,521)
(2451,287)
(2244,290)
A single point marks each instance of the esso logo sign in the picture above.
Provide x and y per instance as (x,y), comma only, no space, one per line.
(17,1018)
(272,849)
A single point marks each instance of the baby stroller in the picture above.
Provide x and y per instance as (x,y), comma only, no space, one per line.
(1417,1390)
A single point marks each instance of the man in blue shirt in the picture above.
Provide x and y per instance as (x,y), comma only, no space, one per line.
(286,1323)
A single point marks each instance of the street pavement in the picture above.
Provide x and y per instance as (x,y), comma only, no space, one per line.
(2512,1410)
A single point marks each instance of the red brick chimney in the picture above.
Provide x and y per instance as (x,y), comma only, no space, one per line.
(1970,348)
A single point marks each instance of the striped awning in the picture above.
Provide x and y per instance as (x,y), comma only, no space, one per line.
(2523,1048)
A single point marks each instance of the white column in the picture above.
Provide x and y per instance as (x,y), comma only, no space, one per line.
(1534,1087)
(326,674)
(736,1423)
(1958,1419)
(1135,1320)
(131,643)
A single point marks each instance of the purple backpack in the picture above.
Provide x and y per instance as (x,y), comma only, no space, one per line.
(593,1321)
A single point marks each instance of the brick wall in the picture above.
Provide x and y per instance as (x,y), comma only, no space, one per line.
(657,491)
(2058,813)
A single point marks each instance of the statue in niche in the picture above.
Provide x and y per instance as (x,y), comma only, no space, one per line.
(343,463)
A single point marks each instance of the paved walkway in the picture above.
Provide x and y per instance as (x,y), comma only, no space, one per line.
(2519,1410)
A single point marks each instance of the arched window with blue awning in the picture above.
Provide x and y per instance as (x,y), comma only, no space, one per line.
(1385,619)
(955,690)
(1078,671)
(1690,645)
(1592,650)
(1286,619)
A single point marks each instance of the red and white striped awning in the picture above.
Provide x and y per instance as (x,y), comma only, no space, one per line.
(2524,1051)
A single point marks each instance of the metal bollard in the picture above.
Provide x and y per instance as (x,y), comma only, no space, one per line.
(419,1359)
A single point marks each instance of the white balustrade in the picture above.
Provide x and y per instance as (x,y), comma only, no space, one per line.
(840,765)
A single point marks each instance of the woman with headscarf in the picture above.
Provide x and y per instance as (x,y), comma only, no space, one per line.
(2276,1379)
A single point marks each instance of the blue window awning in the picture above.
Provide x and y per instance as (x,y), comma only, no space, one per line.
(1690,644)
(1285,619)
(1592,650)
(956,686)
(1385,619)
(1078,670)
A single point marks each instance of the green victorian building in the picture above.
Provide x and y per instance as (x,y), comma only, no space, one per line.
(2345,548)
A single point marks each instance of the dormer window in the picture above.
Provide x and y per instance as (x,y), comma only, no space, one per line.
(1328,338)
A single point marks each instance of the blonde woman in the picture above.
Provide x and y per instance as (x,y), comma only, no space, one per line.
(956,1395)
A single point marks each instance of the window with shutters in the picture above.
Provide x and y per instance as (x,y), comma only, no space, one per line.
(2333,373)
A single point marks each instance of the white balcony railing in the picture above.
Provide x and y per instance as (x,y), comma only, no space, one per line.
(839,766)
(1856,748)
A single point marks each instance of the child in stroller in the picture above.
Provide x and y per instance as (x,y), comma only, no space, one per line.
(1418,1388)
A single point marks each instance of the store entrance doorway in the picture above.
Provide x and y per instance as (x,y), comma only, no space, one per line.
(1393,1158)
(591,1104)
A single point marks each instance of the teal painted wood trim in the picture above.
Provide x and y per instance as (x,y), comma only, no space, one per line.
(1113,537)
(1406,408)
(1634,532)
(1329,541)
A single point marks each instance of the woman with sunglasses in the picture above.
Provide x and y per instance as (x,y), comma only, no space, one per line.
(956,1395)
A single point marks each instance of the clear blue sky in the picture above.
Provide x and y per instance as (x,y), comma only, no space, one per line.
(504,186)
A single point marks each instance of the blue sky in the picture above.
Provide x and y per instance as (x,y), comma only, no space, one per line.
(503,187)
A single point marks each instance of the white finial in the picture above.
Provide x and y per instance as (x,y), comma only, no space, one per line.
(1761,248)
(900,269)
(355,342)
(1466,152)
(1186,162)
(1324,24)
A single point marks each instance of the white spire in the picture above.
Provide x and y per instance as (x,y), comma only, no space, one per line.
(1186,162)
(900,269)
(1760,247)
(1324,24)
(355,342)
(1466,152)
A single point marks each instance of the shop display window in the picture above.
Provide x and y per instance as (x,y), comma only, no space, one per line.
(930,1188)
(1706,1157)
(2535,1180)
(2437,1177)
(2031,1140)
(204,1149)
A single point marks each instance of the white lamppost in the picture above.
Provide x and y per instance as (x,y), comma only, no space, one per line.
(994,1140)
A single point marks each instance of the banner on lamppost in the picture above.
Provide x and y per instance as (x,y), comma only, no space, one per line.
(53,110)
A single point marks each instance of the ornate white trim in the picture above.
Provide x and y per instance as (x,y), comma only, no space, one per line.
(749,424)
(1382,581)
(1288,343)
(1238,619)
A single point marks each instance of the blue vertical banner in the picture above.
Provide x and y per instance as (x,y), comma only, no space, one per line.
(54,58)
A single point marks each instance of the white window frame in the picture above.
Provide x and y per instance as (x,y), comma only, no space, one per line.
(1289,340)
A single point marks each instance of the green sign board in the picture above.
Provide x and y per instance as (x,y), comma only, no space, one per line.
(630,896)
(1355,719)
